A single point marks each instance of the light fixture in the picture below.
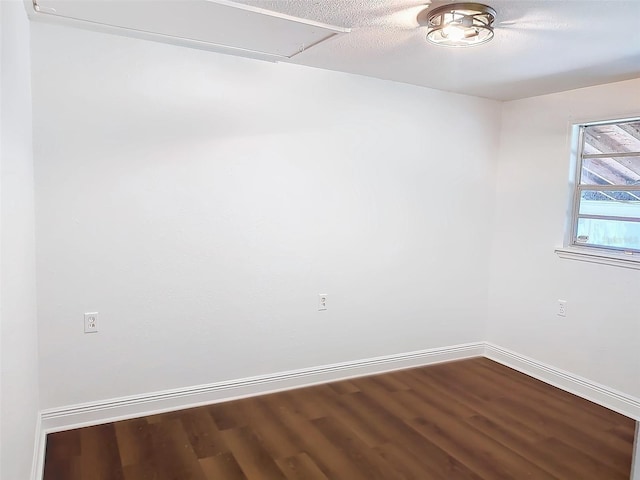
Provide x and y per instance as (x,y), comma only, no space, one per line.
(459,24)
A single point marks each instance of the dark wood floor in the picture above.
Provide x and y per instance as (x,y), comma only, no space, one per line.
(472,419)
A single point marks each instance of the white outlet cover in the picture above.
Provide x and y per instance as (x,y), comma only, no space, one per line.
(562,308)
(91,322)
(322,301)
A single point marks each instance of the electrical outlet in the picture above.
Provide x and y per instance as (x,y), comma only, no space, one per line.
(91,322)
(562,308)
(322,301)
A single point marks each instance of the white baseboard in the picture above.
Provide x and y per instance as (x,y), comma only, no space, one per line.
(94,413)
(597,393)
(75,416)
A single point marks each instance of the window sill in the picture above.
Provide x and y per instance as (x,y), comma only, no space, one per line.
(603,258)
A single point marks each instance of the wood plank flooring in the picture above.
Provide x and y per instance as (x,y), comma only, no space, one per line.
(468,420)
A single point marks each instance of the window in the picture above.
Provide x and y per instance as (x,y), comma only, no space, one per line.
(606,203)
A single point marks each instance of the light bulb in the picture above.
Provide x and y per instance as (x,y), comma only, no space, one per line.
(454,32)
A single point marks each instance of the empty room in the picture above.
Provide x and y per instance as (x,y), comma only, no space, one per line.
(319,240)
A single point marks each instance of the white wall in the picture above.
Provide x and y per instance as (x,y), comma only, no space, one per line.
(18,334)
(200,202)
(600,337)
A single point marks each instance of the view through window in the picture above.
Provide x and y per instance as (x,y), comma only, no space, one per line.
(606,207)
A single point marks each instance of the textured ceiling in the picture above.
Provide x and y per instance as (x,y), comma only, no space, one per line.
(540,46)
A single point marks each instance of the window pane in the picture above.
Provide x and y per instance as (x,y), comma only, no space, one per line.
(610,138)
(608,193)
(608,233)
(611,171)
(610,204)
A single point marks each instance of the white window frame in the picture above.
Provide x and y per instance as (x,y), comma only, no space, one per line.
(572,249)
